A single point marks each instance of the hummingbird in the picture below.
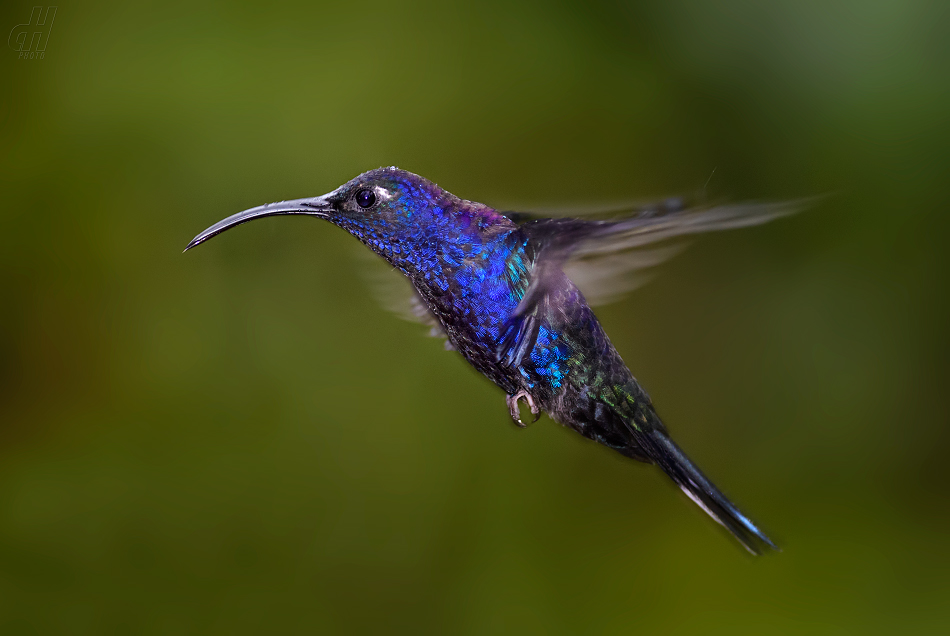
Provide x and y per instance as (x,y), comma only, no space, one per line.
(504,289)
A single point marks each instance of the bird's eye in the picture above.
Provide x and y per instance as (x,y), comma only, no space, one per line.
(365,198)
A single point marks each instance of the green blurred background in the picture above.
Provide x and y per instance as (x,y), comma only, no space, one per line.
(240,440)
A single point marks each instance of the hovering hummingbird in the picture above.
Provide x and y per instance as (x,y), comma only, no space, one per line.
(503,289)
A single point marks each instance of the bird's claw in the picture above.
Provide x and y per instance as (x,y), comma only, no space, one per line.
(512,401)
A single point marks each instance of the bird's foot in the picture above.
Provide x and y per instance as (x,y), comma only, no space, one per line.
(512,401)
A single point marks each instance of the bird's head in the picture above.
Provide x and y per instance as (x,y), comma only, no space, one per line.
(396,213)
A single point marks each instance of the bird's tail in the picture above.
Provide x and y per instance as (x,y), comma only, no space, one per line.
(688,477)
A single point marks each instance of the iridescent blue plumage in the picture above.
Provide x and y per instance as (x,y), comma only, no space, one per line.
(500,293)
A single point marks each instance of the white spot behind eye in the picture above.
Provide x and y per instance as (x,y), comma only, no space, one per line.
(382,193)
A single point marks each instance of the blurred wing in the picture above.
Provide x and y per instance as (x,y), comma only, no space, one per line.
(606,258)
(606,278)
(601,237)
(397,294)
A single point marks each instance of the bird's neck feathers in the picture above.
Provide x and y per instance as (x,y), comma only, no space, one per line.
(434,231)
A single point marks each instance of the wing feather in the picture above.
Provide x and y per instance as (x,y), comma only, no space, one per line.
(397,294)
(606,258)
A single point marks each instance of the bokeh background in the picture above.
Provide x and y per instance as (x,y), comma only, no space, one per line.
(240,440)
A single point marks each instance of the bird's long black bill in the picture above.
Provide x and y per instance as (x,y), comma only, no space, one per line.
(319,207)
